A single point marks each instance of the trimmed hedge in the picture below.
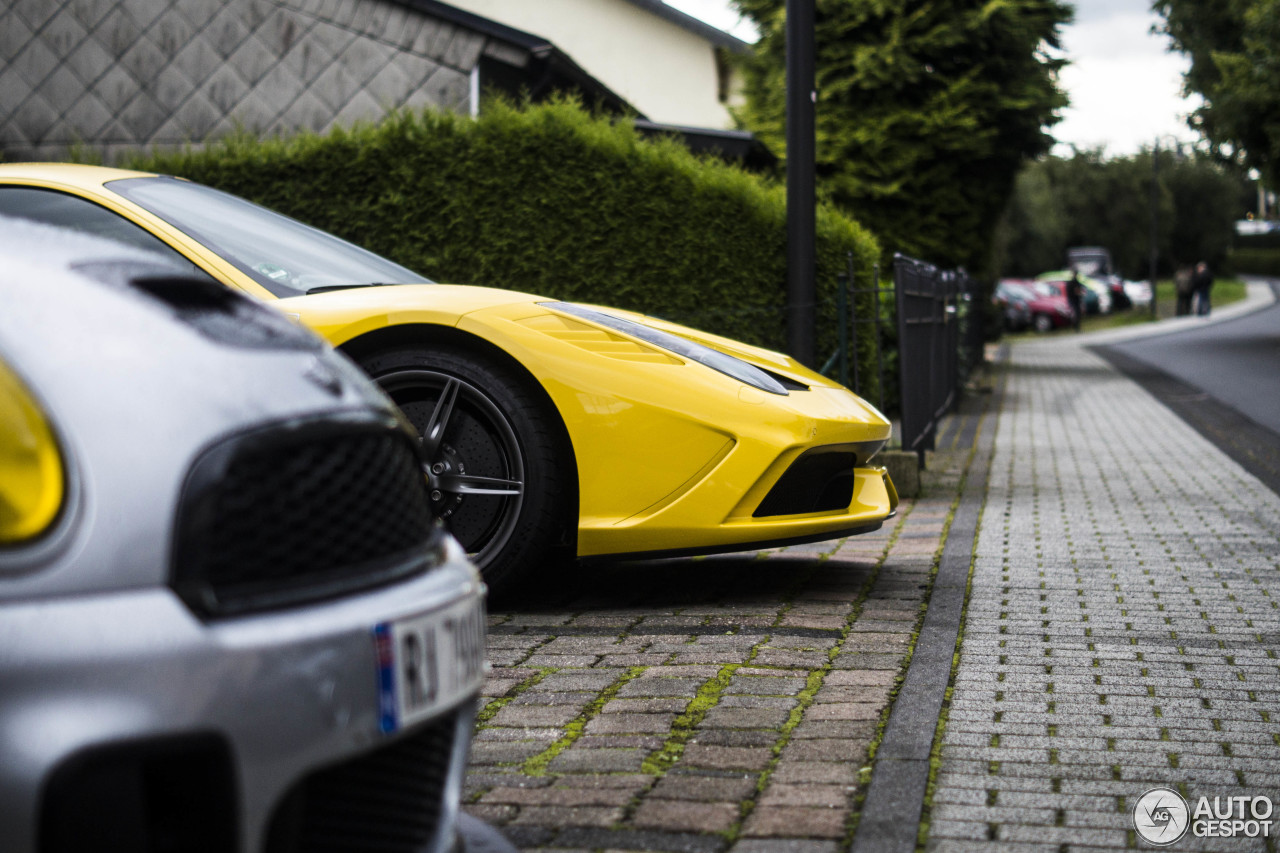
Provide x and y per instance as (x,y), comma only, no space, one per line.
(549,200)
(1255,262)
(1269,240)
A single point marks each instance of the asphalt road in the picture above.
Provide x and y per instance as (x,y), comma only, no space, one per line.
(1223,379)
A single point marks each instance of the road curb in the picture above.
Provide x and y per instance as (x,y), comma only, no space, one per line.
(894,803)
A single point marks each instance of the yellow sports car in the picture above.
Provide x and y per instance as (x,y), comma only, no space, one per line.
(550,428)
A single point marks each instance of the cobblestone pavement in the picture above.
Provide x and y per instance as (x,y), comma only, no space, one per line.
(1123,623)
(705,704)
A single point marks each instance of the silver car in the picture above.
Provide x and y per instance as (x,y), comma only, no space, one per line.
(227,620)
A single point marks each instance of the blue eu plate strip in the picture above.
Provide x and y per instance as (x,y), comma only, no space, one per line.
(386,679)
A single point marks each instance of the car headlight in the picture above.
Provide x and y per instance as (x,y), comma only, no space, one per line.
(716,360)
(31,475)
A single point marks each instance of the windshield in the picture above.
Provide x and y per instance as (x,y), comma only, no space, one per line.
(279,253)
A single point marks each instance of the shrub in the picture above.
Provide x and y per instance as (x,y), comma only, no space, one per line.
(549,200)
(1256,262)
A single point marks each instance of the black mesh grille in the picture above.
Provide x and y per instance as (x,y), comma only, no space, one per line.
(296,514)
(819,481)
(387,801)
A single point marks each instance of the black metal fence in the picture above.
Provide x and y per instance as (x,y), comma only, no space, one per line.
(940,341)
(861,312)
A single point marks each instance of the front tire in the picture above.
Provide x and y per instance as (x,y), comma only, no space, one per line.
(1043,323)
(497,471)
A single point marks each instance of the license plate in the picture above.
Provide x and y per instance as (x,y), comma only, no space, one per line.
(428,661)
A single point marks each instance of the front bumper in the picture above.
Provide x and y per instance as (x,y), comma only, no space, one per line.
(282,695)
(692,526)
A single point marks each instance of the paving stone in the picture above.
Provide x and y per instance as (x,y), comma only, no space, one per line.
(783,845)
(560,816)
(783,794)
(585,760)
(558,796)
(504,753)
(790,822)
(680,786)
(532,716)
(735,737)
(726,717)
(839,749)
(648,743)
(649,705)
(816,772)
(845,711)
(1105,649)
(490,813)
(630,723)
(677,816)
(726,757)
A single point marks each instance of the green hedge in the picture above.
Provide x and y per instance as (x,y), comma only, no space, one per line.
(1269,240)
(1255,262)
(549,200)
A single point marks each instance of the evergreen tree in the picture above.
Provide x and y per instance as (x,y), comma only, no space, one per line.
(1234,46)
(926,110)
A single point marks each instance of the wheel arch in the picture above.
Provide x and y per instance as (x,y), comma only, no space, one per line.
(412,334)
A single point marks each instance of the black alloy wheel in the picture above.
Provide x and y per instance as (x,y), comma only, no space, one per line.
(492,465)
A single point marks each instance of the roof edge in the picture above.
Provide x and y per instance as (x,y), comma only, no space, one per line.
(717,37)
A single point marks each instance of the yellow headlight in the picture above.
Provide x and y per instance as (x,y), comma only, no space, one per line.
(31,481)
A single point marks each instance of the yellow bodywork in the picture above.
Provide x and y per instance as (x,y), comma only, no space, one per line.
(31,473)
(670,454)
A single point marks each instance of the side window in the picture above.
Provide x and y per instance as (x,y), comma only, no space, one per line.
(67,211)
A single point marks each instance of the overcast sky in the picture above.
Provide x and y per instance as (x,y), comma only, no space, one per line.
(1125,87)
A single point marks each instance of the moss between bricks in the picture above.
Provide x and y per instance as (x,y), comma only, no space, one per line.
(490,710)
(814,682)
(537,765)
(707,697)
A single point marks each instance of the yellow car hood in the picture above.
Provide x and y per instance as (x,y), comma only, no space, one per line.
(342,315)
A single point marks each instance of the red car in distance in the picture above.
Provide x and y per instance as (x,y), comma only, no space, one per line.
(1046,301)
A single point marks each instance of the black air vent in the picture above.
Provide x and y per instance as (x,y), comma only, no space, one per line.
(211,308)
(298,513)
(390,800)
(819,481)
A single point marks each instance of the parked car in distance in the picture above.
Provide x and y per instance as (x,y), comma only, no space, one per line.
(1046,303)
(229,622)
(1011,298)
(1095,262)
(551,429)
(1097,296)
(1139,293)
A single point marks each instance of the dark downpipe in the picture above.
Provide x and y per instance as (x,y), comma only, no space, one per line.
(801,216)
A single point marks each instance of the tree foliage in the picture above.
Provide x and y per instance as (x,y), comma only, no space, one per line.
(1234,47)
(926,110)
(1088,200)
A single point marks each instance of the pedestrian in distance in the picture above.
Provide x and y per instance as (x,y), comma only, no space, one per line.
(1201,284)
(1182,283)
(1075,298)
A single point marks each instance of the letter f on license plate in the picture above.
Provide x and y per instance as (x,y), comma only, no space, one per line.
(427,661)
